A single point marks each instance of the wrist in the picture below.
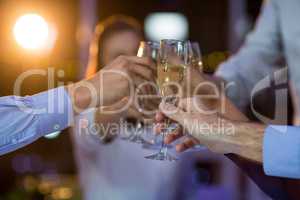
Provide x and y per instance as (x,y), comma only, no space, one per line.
(80,95)
(249,140)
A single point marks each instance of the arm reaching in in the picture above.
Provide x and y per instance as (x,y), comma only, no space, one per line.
(219,134)
(25,119)
(276,147)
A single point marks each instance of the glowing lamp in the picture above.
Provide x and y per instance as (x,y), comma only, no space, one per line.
(32,32)
(166,25)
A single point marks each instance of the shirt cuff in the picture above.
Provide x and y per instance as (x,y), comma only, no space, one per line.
(281,151)
(53,109)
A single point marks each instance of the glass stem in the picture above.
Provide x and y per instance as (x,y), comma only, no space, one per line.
(164,147)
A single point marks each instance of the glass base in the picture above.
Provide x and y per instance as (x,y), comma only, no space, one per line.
(162,156)
(154,146)
(138,139)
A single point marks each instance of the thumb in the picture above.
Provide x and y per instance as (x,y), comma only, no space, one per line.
(172,112)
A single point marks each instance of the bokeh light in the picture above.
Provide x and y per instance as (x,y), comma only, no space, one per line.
(166,25)
(32,32)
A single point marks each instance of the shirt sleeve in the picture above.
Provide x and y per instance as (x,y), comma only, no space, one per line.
(25,119)
(86,131)
(260,56)
(281,151)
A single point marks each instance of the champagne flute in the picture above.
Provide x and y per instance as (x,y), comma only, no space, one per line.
(195,55)
(146,49)
(172,65)
(149,49)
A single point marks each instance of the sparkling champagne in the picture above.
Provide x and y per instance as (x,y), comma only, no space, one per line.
(197,63)
(168,76)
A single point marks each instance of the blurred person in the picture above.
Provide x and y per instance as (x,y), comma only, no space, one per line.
(25,119)
(115,168)
(271,46)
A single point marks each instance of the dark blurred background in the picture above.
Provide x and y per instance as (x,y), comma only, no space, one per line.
(217,25)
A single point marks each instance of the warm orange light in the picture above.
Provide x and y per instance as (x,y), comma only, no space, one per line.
(32,32)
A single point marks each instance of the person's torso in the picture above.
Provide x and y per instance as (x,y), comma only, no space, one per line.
(118,170)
